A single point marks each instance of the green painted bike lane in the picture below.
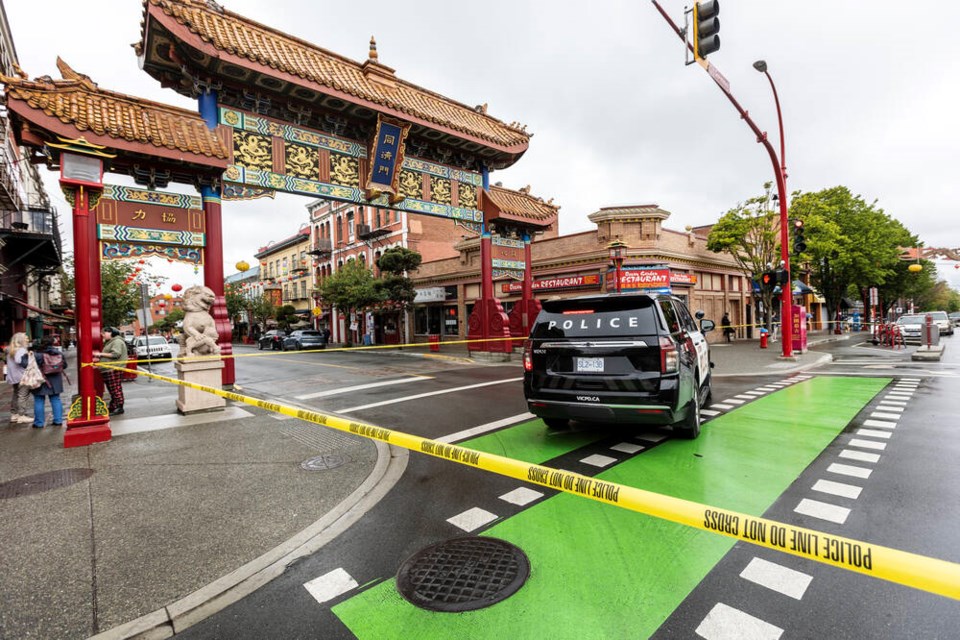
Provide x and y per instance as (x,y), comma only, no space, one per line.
(602,572)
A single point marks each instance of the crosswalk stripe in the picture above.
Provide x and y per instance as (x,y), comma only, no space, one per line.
(849,470)
(728,623)
(862,456)
(887,407)
(709,413)
(867,444)
(874,433)
(733,401)
(841,489)
(881,424)
(472,519)
(822,510)
(776,577)
(330,585)
(521,496)
(629,447)
(361,387)
(597,460)
(725,407)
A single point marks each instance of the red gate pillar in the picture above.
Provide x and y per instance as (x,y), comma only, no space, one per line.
(525,312)
(488,321)
(87,419)
(213,278)
(96,301)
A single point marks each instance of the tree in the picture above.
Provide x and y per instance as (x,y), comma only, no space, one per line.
(350,287)
(169,321)
(235,299)
(750,234)
(286,316)
(395,288)
(849,242)
(261,308)
(120,297)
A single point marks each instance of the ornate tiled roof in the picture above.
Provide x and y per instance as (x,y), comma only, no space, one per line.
(370,82)
(77,101)
(520,205)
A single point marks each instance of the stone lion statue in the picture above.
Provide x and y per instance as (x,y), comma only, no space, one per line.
(199,337)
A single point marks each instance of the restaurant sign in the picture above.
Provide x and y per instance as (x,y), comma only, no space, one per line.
(589,281)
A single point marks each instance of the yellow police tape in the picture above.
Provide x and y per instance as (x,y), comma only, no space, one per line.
(928,574)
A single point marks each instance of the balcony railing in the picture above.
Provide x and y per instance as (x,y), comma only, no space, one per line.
(322,247)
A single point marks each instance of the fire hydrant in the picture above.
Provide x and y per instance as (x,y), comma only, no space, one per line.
(763,338)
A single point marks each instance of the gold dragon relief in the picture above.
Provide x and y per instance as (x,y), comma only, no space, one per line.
(467,194)
(411,184)
(301,161)
(252,150)
(440,190)
(344,170)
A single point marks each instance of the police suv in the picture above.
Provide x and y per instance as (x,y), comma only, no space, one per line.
(622,358)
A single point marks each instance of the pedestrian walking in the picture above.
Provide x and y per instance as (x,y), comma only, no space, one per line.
(52,365)
(17,353)
(114,353)
(727,329)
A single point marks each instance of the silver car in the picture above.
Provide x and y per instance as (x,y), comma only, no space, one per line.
(911,327)
(942,320)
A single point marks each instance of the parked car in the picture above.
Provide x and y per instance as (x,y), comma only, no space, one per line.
(955,318)
(911,327)
(151,347)
(623,358)
(942,320)
(304,339)
(272,339)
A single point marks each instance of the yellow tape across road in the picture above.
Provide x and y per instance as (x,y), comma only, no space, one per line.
(928,574)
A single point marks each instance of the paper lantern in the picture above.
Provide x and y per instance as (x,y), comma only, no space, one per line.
(142,261)
(242,265)
(176,287)
(161,303)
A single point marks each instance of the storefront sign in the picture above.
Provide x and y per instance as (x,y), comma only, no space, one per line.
(683,278)
(430,294)
(590,281)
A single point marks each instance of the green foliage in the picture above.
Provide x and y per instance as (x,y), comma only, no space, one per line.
(120,300)
(849,242)
(398,260)
(169,321)
(235,299)
(286,316)
(750,234)
(351,287)
(261,308)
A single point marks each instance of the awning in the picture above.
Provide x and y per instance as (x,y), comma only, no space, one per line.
(42,312)
(799,288)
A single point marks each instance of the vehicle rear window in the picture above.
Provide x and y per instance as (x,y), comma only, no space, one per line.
(600,317)
(310,333)
(158,340)
(939,315)
(910,320)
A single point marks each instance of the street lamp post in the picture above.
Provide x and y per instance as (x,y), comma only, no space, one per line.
(617,250)
(786,299)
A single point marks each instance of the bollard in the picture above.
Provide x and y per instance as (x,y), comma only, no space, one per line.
(131,366)
(434,340)
(929,331)
(763,338)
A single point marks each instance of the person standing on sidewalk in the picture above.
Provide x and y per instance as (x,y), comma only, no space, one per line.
(727,329)
(16,362)
(51,363)
(114,353)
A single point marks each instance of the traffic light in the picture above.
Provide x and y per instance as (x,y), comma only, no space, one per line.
(768,280)
(782,277)
(706,28)
(799,242)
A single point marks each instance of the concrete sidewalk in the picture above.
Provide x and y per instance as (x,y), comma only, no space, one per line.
(178,516)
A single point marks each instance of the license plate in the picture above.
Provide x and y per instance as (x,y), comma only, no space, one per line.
(590,365)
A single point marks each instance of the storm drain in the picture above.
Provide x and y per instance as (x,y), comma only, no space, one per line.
(463,574)
(324,462)
(40,482)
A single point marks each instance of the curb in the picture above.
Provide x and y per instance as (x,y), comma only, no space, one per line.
(177,616)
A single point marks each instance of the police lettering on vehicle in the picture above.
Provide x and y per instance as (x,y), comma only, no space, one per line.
(584,324)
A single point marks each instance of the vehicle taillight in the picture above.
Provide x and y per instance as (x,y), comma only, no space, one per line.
(527,355)
(669,358)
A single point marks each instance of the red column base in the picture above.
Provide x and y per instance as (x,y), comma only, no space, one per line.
(488,321)
(96,430)
(519,329)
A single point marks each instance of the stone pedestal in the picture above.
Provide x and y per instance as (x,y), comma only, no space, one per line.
(205,372)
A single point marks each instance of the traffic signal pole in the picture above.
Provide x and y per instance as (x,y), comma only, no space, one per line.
(786,300)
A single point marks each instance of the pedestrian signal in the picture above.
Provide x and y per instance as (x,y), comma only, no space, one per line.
(706,28)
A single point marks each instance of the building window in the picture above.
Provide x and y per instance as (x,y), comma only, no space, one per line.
(426,319)
(450,321)
(350,227)
(303,289)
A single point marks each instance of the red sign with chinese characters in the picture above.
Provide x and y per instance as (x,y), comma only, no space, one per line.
(144,215)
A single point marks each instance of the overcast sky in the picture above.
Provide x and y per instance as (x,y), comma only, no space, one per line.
(868,92)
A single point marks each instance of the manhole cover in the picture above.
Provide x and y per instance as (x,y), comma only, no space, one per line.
(323,462)
(40,482)
(463,574)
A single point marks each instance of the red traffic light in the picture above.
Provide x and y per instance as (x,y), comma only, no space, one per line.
(798,224)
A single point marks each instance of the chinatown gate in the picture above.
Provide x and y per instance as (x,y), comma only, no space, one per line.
(275,114)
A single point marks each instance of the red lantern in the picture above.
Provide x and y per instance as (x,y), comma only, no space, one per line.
(142,261)
(161,303)
(176,287)
(170,260)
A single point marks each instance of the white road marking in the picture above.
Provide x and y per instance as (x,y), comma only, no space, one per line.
(867,444)
(754,394)
(484,428)
(777,577)
(874,433)
(880,424)
(727,623)
(472,519)
(849,470)
(841,489)
(890,407)
(894,401)
(120,427)
(725,407)
(521,496)
(742,396)
(598,460)
(650,438)
(709,413)
(910,379)
(822,510)
(732,401)
(330,585)
(767,389)
(862,456)
(427,395)
(898,396)
(885,416)
(361,387)
(627,447)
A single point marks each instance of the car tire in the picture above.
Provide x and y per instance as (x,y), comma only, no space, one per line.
(556,423)
(708,396)
(689,427)
(259,346)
